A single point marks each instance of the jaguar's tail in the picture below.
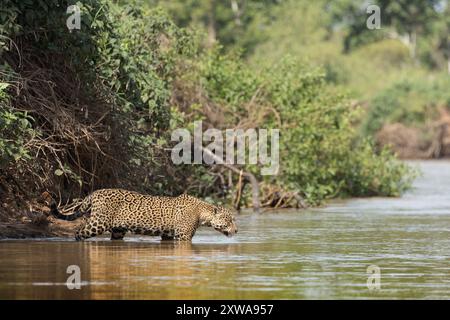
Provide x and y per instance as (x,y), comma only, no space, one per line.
(83,209)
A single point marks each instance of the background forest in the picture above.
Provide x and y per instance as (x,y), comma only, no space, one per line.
(92,108)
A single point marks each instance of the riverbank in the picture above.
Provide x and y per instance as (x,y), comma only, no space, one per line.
(409,142)
(30,230)
(26,230)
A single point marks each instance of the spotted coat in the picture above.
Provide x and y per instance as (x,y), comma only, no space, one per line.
(120,211)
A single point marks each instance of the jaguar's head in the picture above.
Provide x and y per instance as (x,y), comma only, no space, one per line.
(223,221)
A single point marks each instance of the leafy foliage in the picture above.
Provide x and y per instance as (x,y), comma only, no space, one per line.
(15,129)
(412,101)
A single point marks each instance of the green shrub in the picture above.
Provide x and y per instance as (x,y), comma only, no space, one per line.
(412,101)
(15,131)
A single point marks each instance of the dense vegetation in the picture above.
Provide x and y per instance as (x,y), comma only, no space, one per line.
(96,107)
(410,50)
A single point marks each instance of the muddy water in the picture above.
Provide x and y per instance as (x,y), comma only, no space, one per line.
(315,254)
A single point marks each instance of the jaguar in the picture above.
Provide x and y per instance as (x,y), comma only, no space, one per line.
(120,211)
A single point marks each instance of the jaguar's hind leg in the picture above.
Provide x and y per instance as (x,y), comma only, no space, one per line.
(88,230)
(166,237)
(118,233)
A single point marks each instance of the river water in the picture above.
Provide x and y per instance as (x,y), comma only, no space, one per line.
(322,253)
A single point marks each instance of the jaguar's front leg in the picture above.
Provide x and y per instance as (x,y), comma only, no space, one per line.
(184,227)
(185,233)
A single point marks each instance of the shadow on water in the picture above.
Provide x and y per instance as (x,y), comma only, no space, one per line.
(314,254)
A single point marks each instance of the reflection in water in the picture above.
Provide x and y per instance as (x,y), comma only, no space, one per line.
(319,253)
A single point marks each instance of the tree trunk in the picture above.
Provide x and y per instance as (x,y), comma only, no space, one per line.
(413,44)
(211,23)
(236,11)
(448,64)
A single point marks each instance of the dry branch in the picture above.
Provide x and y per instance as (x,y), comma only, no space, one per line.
(249,176)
